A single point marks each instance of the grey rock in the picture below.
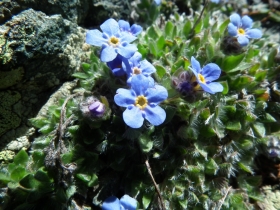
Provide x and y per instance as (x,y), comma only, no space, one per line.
(37,54)
(83,12)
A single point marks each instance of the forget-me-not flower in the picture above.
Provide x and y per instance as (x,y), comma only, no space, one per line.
(134,29)
(141,102)
(136,65)
(242,29)
(206,75)
(112,40)
(125,203)
(116,66)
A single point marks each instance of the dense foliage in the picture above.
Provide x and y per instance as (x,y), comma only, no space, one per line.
(201,157)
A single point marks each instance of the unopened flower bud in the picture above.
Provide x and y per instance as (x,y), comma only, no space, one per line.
(97,109)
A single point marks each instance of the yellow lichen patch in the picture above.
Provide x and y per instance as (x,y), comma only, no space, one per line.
(141,102)
(10,78)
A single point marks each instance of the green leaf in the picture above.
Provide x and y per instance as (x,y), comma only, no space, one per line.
(80,75)
(211,167)
(42,176)
(160,43)
(39,122)
(226,88)
(260,75)
(84,177)
(67,157)
(160,71)
(153,33)
(153,48)
(93,181)
(187,28)
(29,182)
(210,50)
(21,158)
(230,62)
(169,27)
(269,118)
(86,66)
(245,167)
(235,126)
(224,26)
(259,129)
(147,198)
(18,173)
(145,142)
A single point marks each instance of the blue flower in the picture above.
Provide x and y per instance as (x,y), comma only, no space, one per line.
(134,29)
(136,65)
(116,66)
(141,102)
(113,203)
(112,41)
(241,28)
(206,75)
(157,2)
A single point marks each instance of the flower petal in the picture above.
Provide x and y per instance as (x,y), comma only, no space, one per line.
(135,59)
(111,203)
(242,40)
(155,115)
(139,83)
(127,51)
(95,38)
(110,27)
(195,65)
(235,20)
(132,116)
(108,54)
(156,94)
(211,72)
(124,25)
(254,33)
(128,202)
(127,37)
(212,87)
(247,22)
(232,29)
(124,97)
(147,68)
(136,29)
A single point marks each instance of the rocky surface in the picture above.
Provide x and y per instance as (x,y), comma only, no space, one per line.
(37,54)
(83,12)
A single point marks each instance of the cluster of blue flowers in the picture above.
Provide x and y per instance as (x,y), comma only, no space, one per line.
(143,96)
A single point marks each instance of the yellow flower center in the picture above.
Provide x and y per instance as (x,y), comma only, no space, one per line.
(141,102)
(201,78)
(136,70)
(114,41)
(241,31)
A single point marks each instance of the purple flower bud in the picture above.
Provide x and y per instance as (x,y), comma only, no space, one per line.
(97,109)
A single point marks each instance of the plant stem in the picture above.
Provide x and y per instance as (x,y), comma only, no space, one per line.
(155,184)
